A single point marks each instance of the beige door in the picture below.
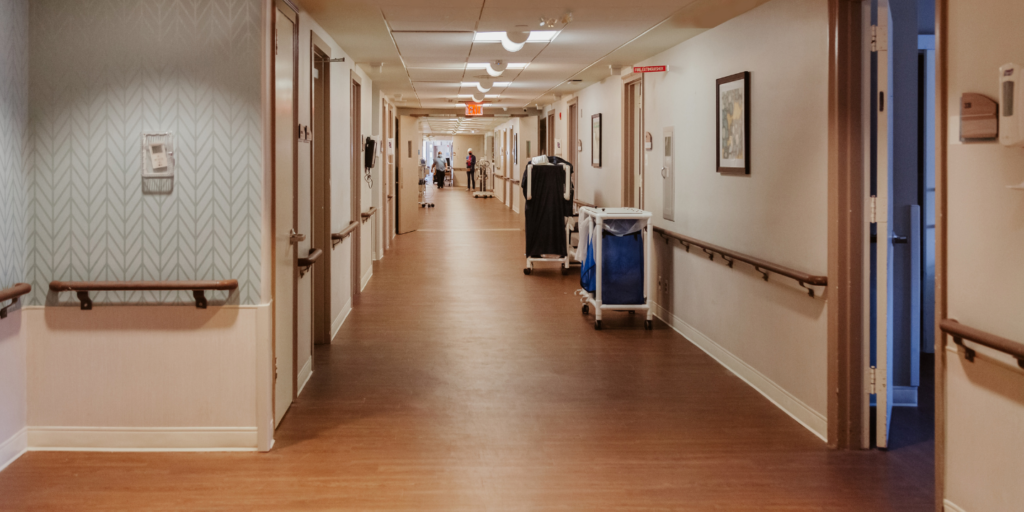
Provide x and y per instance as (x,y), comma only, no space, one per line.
(321,221)
(356,185)
(285,256)
(408,175)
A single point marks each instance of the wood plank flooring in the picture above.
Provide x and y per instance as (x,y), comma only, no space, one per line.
(459,384)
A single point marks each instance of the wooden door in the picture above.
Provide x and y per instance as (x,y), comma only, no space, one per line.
(355,204)
(408,175)
(285,176)
(321,215)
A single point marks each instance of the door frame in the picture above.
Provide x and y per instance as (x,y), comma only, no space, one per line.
(320,51)
(573,137)
(356,192)
(632,145)
(551,133)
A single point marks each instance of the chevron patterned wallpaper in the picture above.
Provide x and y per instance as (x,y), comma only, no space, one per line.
(13,136)
(105,71)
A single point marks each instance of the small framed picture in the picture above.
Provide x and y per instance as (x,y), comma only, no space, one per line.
(595,145)
(732,124)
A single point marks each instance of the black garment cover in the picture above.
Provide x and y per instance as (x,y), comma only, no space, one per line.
(546,212)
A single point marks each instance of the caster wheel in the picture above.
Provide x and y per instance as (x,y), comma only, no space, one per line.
(565,271)
(649,325)
(586,309)
(527,271)
(597,325)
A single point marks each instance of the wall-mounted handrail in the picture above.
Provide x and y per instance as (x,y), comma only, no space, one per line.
(368,213)
(583,204)
(762,266)
(198,288)
(12,294)
(516,182)
(336,238)
(309,261)
(961,332)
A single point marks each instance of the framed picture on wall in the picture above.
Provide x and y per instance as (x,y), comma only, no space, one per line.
(732,102)
(595,140)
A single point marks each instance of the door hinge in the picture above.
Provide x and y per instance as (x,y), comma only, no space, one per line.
(275,42)
(872,386)
(879,40)
(275,368)
(873,208)
(874,38)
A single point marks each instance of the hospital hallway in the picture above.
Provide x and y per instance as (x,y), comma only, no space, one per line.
(459,383)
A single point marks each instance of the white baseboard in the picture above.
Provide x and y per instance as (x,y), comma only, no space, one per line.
(304,374)
(340,320)
(366,278)
(799,411)
(13,448)
(949,506)
(142,439)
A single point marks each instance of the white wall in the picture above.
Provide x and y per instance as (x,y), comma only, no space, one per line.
(772,334)
(985,281)
(13,388)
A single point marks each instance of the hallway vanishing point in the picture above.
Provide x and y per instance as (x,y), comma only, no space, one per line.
(459,384)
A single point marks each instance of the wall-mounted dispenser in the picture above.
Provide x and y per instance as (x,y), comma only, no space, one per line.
(978,118)
(1011,122)
(158,155)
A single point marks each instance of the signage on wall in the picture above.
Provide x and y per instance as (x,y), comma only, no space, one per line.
(650,69)
(474,109)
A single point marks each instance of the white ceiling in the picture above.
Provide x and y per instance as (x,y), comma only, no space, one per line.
(426,45)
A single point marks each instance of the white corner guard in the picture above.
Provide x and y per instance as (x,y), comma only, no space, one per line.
(340,319)
(157,439)
(791,405)
(949,506)
(13,447)
(366,278)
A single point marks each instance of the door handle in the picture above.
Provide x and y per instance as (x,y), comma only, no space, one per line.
(899,239)
(295,238)
(664,172)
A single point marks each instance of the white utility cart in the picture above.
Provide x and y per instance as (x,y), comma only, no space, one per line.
(593,224)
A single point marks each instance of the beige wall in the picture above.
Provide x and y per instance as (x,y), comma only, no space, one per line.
(985,402)
(13,387)
(173,377)
(771,334)
(460,145)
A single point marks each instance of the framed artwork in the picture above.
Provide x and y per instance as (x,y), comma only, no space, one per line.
(595,142)
(732,109)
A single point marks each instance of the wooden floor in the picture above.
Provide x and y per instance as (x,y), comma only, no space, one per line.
(459,384)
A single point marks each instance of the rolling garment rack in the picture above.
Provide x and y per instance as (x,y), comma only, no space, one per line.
(622,236)
(547,185)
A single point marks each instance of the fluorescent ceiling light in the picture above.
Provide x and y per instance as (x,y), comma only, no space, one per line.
(536,36)
(487,95)
(485,65)
(496,84)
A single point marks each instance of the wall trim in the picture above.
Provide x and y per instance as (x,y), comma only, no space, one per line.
(142,439)
(366,278)
(812,420)
(340,320)
(304,375)
(182,305)
(13,448)
(949,506)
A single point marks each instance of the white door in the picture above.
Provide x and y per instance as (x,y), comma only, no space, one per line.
(303,365)
(883,245)
(285,270)
(638,144)
(668,186)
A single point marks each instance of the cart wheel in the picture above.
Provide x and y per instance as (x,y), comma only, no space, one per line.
(565,271)
(649,325)
(597,325)
(586,309)
(526,271)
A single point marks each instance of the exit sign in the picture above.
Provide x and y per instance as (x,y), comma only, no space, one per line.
(649,69)
(474,109)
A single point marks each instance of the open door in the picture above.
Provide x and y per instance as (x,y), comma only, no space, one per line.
(285,239)
(408,175)
(883,335)
(321,220)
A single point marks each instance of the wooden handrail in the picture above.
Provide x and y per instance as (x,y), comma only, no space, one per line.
(13,294)
(336,238)
(309,261)
(198,288)
(961,332)
(583,204)
(762,266)
(368,213)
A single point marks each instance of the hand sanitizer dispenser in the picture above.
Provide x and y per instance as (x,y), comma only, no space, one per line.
(1011,120)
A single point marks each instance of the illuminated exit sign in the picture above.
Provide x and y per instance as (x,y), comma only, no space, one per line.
(474,109)
(650,69)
